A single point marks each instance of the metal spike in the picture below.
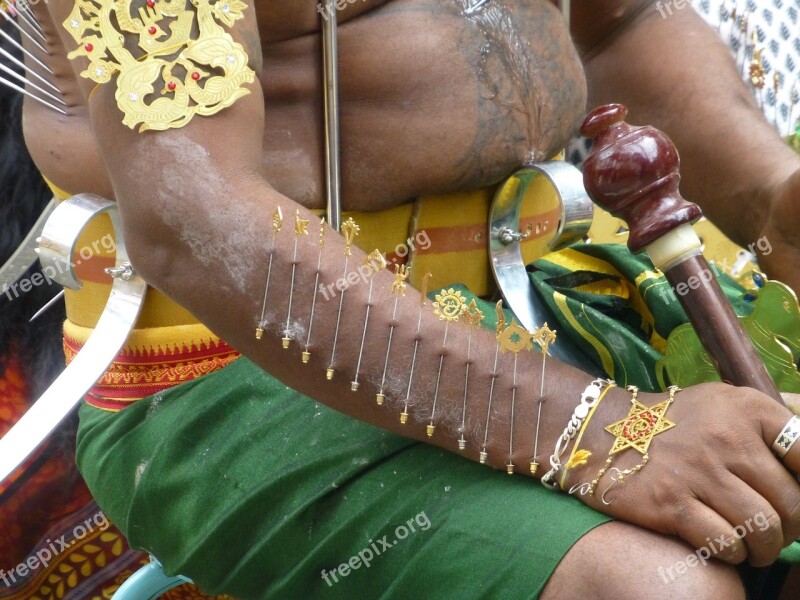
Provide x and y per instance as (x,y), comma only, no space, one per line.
(32,23)
(29,18)
(28,70)
(19,77)
(24,8)
(14,23)
(44,309)
(32,96)
(19,47)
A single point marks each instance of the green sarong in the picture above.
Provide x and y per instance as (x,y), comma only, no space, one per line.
(254,490)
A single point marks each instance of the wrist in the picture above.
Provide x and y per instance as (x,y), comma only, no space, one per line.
(630,451)
(597,441)
(590,400)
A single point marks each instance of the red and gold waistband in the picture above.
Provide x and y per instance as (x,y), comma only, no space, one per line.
(153,360)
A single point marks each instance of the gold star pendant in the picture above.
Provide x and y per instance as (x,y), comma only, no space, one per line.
(639,428)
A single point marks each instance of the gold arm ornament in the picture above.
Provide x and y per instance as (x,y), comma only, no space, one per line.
(185,49)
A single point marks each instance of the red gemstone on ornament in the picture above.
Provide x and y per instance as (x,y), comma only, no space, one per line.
(152,31)
(89,47)
(195,75)
(151,3)
(171,86)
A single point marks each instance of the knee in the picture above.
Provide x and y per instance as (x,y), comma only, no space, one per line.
(620,561)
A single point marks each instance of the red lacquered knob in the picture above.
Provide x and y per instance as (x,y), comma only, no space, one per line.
(632,172)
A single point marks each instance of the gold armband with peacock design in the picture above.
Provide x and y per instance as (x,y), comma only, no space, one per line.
(185,50)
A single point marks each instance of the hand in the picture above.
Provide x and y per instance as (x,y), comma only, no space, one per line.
(712,479)
(782,231)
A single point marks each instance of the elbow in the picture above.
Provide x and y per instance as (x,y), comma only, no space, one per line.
(179,239)
(152,252)
(154,236)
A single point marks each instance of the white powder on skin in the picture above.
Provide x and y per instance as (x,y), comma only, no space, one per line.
(225,232)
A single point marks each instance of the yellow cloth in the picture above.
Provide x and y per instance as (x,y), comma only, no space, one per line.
(444,234)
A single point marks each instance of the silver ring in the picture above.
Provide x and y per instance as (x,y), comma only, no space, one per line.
(790,434)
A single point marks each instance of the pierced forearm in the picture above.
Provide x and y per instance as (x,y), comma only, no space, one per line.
(675,73)
(433,398)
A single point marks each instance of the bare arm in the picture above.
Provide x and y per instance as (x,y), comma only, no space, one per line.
(672,71)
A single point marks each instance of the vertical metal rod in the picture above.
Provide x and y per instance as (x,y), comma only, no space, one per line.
(331,97)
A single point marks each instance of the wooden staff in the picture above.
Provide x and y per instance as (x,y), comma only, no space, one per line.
(633,174)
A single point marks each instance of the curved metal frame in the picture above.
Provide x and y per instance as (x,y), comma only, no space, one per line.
(56,249)
(505,253)
(25,255)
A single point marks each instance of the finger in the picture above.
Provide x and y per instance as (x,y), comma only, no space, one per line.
(779,421)
(740,505)
(767,476)
(792,402)
(710,533)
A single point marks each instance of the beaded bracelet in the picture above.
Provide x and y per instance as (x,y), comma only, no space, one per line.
(590,397)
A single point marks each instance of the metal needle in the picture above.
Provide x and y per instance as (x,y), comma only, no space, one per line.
(349,231)
(28,70)
(300,229)
(29,20)
(19,77)
(376,262)
(510,465)
(277,223)
(44,309)
(14,24)
(423,301)
(19,47)
(306,356)
(33,97)
(330,63)
(484,455)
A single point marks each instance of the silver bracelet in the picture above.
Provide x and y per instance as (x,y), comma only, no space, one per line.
(589,399)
